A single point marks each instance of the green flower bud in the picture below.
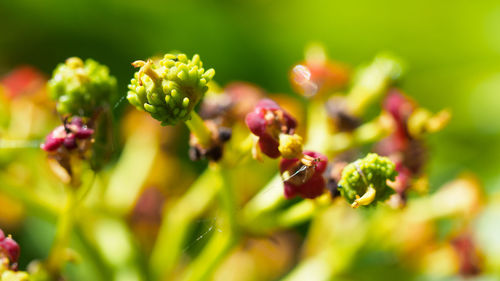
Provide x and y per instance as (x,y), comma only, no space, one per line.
(170,88)
(80,88)
(364,181)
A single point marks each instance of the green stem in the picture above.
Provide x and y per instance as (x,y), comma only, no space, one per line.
(177,222)
(92,253)
(178,219)
(213,254)
(268,199)
(302,211)
(199,129)
(372,83)
(223,240)
(58,256)
(229,202)
(317,127)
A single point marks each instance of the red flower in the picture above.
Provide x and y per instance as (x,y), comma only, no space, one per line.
(9,248)
(400,108)
(304,177)
(408,153)
(267,121)
(23,80)
(67,135)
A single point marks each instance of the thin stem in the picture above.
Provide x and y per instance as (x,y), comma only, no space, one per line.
(317,127)
(371,84)
(57,256)
(213,254)
(199,130)
(302,211)
(85,191)
(229,202)
(268,199)
(177,222)
(223,240)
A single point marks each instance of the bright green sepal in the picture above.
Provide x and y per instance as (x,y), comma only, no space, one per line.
(169,88)
(81,88)
(372,170)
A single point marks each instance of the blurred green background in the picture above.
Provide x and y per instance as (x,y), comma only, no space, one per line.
(452,51)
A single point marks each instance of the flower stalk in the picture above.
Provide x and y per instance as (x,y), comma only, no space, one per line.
(199,130)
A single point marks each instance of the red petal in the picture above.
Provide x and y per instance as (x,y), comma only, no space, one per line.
(269,146)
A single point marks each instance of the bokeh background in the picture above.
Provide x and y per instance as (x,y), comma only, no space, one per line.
(451,51)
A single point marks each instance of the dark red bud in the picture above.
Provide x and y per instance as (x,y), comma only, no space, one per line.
(70,142)
(267,121)
(84,133)
(78,121)
(52,143)
(269,146)
(10,248)
(256,123)
(304,181)
(400,107)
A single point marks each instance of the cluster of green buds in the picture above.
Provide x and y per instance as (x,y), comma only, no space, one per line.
(81,88)
(169,88)
(83,92)
(364,181)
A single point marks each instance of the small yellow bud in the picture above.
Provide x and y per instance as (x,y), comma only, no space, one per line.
(74,62)
(290,146)
(366,199)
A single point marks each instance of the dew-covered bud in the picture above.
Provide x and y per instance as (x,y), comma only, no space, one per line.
(170,88)
(304,177)
(267,121)
(81,88)
(364,182)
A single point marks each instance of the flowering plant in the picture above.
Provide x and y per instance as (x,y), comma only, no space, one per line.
(348,155)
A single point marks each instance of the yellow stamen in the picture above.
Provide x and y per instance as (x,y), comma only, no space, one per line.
(366,199)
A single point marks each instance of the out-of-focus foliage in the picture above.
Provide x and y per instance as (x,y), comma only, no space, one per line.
(451,51)
(452,48)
